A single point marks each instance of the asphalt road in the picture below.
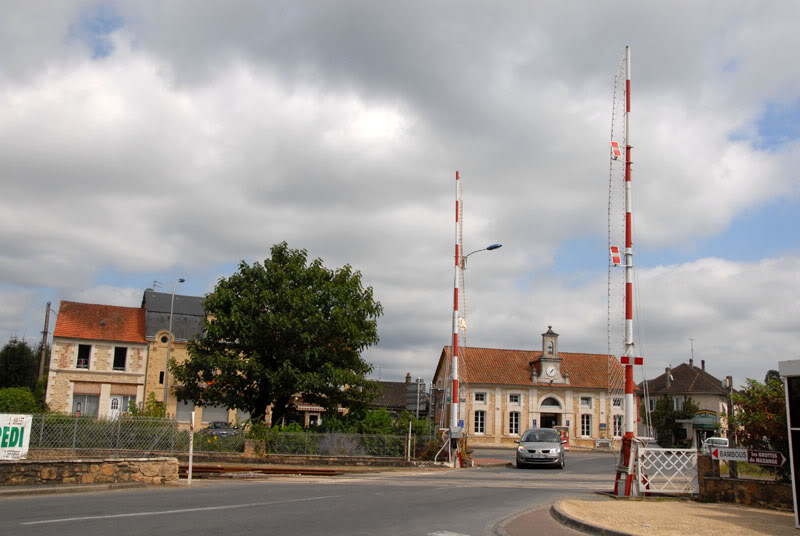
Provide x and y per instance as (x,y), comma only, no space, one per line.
(424,502)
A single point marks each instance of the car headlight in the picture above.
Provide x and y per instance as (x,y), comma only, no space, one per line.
(557,450)
(521,448)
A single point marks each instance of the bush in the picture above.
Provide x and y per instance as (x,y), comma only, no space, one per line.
(17,400)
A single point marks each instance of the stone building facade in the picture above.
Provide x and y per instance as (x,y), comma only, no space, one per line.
(504,392)
(98,359)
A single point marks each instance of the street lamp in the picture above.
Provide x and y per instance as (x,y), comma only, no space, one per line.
(487,248)
(169,344)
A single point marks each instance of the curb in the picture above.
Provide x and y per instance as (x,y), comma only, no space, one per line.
(568,521)
(86,488)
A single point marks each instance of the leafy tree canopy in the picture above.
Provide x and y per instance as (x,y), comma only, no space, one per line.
(669,432)
(760,416)
(19,365)
(17,400)
(283,328)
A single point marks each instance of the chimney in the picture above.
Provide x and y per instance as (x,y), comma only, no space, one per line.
(691,363)
(668,370)
(408,378)
(703,364)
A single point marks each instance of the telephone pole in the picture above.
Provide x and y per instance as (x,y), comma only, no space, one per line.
(44,342)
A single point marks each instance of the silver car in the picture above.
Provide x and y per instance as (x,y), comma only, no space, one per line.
(540,446)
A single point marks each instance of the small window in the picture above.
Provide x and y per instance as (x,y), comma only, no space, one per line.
(677,403)
(617,402)
(85,405)
(120,356)
(549,347)
(551,402)
(84,352)
(161,377)
(651,403)
(586,425)
(586,401)
(313,420)
(513,423)
(480,397)
(164,339)
(617,425)
(514,398)
(480,422)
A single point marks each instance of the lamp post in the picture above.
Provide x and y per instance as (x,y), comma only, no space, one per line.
(454,402)
(169,344)
(487,248)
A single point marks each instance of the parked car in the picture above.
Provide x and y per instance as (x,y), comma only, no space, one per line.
(711,443)
(220,429)
(540,446)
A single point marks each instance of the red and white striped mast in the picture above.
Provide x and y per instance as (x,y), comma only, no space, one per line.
(456,279)
(628,359)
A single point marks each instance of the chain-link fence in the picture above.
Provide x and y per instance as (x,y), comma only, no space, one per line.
(66,436)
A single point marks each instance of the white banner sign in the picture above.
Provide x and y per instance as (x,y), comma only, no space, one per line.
(15,434)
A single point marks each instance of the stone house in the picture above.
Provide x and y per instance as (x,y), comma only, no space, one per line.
(98,359)
(504,392)
(686,381)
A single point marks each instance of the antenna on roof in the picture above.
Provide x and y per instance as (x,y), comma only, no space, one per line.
(157,284)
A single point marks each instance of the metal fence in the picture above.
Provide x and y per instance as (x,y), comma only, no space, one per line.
(63,436)
(670,471)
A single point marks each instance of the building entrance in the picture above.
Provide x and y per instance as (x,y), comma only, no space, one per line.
(549,420)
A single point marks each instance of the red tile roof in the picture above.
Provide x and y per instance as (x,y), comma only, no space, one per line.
(512,367)
(100,322)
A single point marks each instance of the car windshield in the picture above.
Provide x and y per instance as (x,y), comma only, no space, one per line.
(541,436)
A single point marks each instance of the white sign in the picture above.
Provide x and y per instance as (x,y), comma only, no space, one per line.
(15,434)
(734,455)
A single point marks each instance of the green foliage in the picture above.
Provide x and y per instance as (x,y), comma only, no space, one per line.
(19,365)
(17,400)
(664,418)
(279,329)
(149,408)
(759,419)
(420,427)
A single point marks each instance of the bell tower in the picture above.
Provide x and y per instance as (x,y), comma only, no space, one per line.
(550,360)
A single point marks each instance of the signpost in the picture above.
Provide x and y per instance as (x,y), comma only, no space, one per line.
(766,457)
(734,455)
(15,435)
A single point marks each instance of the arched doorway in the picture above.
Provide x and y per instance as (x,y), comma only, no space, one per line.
(550,409)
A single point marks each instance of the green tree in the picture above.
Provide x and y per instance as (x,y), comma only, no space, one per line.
(759,418)
(279,329)
(19,364)
(664,418)
(772,375)
(17,400)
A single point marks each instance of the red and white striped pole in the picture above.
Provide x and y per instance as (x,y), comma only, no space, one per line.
(628,358)
(454,367)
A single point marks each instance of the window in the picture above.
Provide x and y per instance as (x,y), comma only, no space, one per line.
(651,403)
(513,423)
(184,411)
(164,339)
(586,401)
(85,405)
(125,406)
(617,402)
(549,347)
(161,377)
(551,402)
(84,352)
(514,399)
(677,403)
(617,425)
(586,425)
(120,356)
(313,420)
(480,398)
(480,422)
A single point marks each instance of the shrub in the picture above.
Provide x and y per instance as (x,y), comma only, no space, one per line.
(17,400)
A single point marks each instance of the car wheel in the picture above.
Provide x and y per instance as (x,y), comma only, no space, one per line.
(561,464)
(520,465)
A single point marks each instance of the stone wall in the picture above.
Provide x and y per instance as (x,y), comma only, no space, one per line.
(90,471)
(748,492)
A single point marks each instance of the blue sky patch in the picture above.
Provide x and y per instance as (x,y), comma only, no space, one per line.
(779,124)
(94,27)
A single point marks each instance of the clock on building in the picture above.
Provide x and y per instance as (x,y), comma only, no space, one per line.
(551,371)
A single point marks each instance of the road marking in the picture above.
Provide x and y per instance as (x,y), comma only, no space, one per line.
(446,533)
(180,511)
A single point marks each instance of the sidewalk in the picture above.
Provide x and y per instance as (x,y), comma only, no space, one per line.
(657,517)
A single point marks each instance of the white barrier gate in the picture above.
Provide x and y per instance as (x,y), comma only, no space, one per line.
(670,471)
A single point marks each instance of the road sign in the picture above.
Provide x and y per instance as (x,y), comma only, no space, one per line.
(766,457)
(734,455)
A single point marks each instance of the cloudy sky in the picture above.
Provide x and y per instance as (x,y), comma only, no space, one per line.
(148,141)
